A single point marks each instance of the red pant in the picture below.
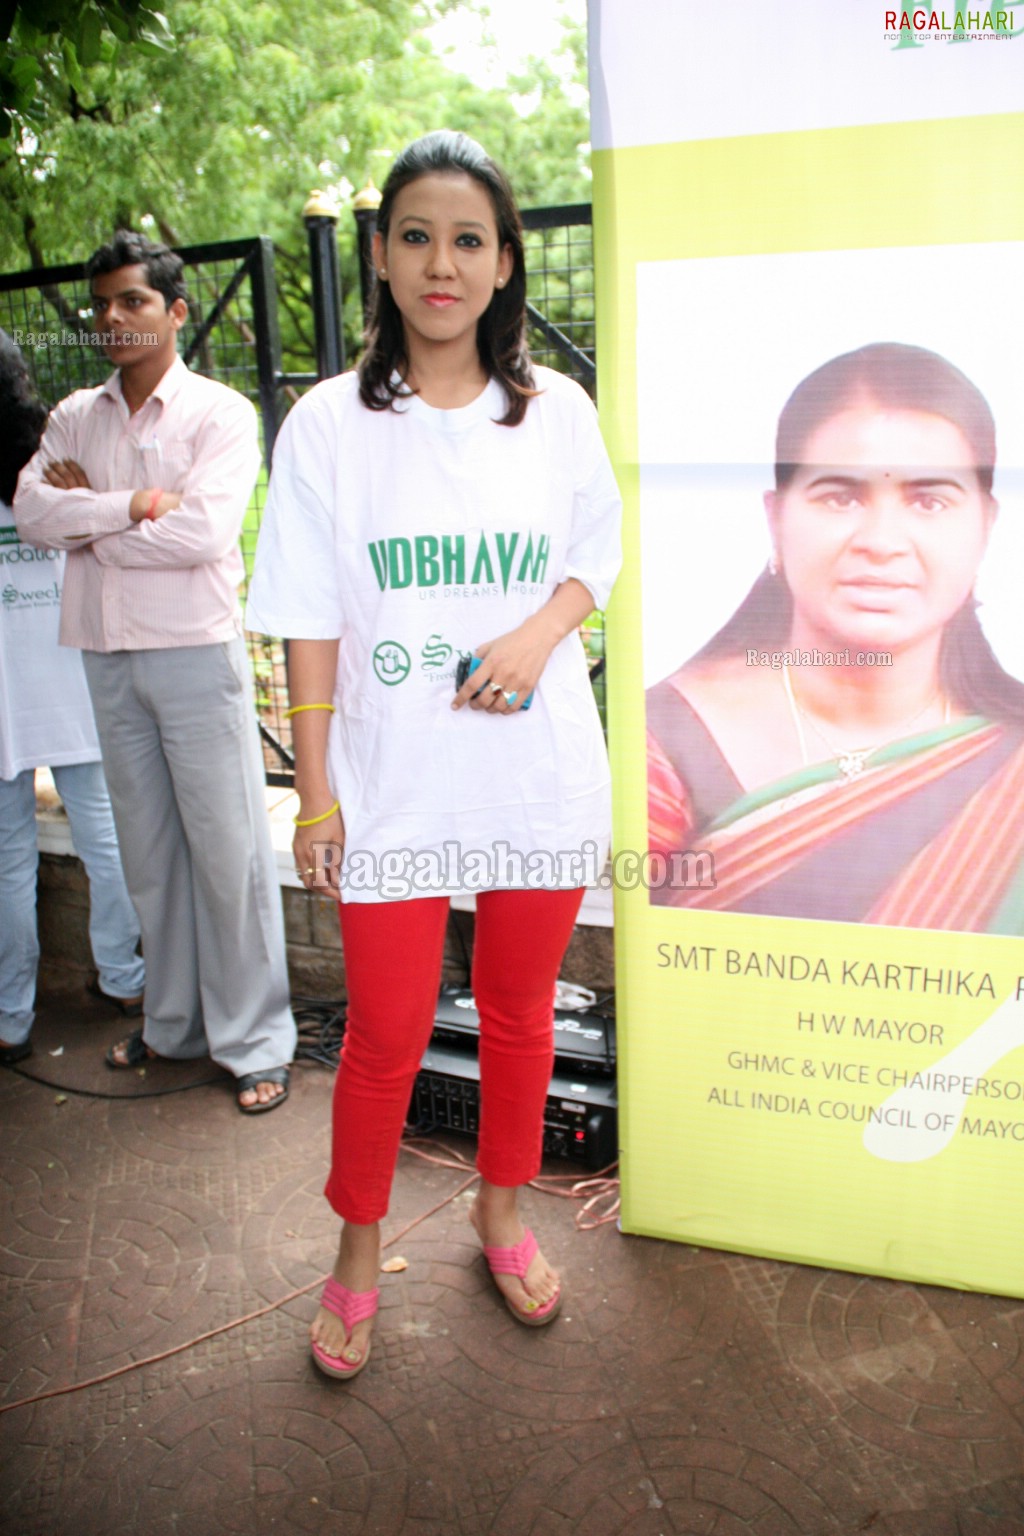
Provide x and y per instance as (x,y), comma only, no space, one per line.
(393,955)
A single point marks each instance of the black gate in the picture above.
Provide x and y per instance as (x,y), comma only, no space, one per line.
(232,335)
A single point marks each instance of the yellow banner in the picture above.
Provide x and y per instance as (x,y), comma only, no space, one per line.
(820,864)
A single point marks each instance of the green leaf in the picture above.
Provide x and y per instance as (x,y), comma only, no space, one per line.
(260,94)
(152,34)
(71,69)
(90,37)
(24,73)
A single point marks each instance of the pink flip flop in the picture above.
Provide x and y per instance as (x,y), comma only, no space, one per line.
(352,1307)
(516,1261)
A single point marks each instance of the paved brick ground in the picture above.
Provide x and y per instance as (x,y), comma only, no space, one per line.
(681,1391)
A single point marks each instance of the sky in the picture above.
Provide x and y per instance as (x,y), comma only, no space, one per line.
(517,29)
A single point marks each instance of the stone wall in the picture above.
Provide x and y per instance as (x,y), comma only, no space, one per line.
(63,906)
(311,928)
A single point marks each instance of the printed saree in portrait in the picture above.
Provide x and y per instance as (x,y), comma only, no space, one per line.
(930,834)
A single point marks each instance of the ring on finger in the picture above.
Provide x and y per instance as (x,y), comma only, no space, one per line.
(497,688)
(509,698)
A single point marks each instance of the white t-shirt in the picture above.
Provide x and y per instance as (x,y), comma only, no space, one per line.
(45,713)
(412,535)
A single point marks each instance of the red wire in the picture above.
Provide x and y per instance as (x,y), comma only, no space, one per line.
(604,1186)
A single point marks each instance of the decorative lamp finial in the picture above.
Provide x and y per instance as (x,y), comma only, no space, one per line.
(369,197)
(320,205)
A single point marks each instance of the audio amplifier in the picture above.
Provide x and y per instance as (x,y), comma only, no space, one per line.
(580,1117)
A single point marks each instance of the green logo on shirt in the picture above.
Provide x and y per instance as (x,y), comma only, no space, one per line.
(427,561)
(435,653)
(391,662)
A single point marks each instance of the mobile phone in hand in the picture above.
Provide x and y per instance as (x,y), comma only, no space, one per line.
(467,665)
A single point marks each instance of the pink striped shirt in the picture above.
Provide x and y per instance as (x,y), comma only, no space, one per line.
(149,585)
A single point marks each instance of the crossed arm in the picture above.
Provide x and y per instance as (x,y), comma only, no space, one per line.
(56,506)
(68,475)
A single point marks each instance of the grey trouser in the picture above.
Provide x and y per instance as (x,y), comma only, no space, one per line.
(184,769)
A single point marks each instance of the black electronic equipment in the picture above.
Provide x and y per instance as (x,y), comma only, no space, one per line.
(580,1119)
(584,1039)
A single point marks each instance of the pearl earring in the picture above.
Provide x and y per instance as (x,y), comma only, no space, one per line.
(382,274)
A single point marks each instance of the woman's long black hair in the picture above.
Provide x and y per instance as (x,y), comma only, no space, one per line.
(896,377)
(22,414)
(501,329)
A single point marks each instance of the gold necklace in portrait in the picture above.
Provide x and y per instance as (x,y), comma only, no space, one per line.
(851,761)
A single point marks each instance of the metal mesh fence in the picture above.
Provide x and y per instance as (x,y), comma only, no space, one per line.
(231,335)
(560,289)
(228,336)
(51,324)
(560,293)
(49,315)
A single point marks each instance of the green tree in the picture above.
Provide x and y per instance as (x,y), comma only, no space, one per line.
(46,46)
(215,123)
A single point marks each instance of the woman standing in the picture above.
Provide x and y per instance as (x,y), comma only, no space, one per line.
(46,718)
(448,499)
(848,746)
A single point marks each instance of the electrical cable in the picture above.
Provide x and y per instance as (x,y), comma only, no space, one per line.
(302,1290)
(124,1098)
(597,1187)
(320,1023)
(321,1026)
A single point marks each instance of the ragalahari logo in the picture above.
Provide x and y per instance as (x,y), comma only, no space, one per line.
(914,28)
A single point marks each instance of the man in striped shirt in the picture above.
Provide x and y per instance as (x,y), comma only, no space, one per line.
(144,481)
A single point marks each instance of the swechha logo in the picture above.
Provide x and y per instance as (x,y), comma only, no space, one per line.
(910,29)
(42,597)
(436,652)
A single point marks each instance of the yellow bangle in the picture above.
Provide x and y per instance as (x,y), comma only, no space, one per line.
(297,709)
(314,819)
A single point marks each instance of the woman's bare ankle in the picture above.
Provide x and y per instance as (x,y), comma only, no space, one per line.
(495,1215)
(358,1263)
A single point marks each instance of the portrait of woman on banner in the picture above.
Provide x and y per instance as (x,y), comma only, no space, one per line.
(847,746)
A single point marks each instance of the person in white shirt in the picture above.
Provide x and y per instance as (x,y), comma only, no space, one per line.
(448,499)
(144,482)
(46,720)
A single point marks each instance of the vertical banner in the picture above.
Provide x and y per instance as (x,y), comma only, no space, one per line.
(809,226)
